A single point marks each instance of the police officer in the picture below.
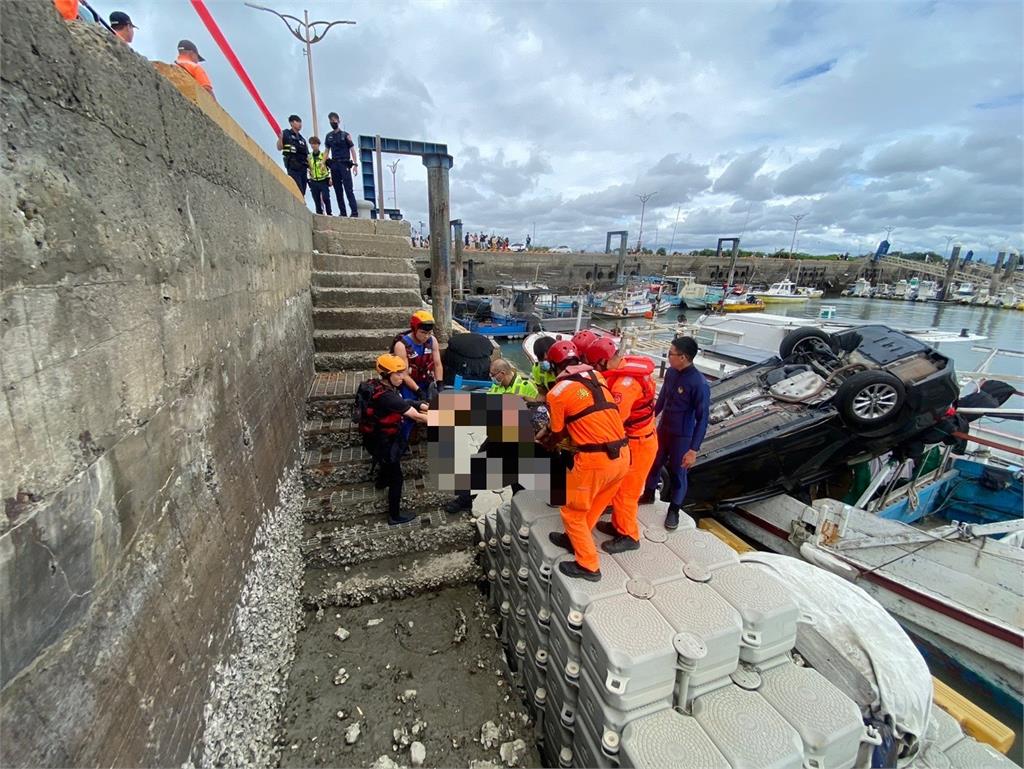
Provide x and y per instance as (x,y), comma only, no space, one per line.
(295,152)
(342,160)
(683,405)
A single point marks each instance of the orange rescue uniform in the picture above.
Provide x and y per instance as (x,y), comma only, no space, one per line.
(68,9)
(634,391)
(595,476)
(195,71)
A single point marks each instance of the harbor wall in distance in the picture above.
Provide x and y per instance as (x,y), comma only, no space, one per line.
(566,271)
(155,351)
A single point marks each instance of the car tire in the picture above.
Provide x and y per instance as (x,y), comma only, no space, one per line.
(870,399)
(799,340)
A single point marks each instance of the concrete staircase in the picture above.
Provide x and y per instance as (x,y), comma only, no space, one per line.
(406,595)
(364,289)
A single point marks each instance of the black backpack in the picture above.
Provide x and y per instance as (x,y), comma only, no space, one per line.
(362,405)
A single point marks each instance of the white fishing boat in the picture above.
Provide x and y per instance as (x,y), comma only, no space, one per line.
(860,289)
(679,290)
(628,303)
(965,293)
(783,292)
(955,585)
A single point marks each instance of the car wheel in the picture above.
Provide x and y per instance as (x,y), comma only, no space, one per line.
(806,340)
(870,399)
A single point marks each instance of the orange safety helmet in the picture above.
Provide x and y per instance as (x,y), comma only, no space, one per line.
(561,351)
(583,339)
(390,364)
(421,317)
(601,351)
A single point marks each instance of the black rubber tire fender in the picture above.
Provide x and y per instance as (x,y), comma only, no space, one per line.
(791,341)
(870,399)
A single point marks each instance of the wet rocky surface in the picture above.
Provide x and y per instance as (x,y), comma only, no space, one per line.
(418,679)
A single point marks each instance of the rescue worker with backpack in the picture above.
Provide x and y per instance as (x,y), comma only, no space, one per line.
(632,386)
(379,410)
(581,404)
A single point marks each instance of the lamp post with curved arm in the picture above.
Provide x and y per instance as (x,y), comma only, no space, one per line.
(308,32)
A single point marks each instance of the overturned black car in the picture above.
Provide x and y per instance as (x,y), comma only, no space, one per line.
(826,402)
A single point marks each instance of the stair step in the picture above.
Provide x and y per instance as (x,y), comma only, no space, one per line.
(344,340)
(365,279)
(355,226)
(347,263)
(361,245)
(354,502)
(341,361)
(390,579)
(365,297)
(350,545)
(327,469)
(362,317)
(336,384)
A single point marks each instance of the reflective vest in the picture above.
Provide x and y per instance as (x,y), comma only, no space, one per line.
(372,419)
(641,413)
(295,152)
(318,167)
(542,378)
(519,386)
(603,401)
(421,357)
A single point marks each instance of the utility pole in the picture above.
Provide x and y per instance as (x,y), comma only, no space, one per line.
(394,183)
(796,224)
(949,239)
(308,32)
(643,208)
(888,232)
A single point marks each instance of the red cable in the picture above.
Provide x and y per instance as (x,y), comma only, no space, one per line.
(229,54)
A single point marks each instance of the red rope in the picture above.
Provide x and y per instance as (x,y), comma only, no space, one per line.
(229,54)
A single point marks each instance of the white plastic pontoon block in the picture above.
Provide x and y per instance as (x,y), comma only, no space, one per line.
(769,614)
(747,730)
(664,739)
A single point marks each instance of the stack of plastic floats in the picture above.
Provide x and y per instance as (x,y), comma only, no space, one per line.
(679,656)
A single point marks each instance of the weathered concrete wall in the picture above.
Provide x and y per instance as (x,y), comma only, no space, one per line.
(155,348)
(564,271)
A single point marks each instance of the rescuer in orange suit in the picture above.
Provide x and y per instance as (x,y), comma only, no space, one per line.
(629,379)
(581,404)
(68,9)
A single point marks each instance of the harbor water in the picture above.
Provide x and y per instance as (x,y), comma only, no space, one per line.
(1001,328)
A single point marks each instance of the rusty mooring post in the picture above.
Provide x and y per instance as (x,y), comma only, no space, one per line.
(947,284)
(439,209)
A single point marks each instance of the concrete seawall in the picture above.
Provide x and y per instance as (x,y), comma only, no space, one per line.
(156,347)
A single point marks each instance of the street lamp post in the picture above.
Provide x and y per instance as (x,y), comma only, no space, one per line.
(394,182)
(643,208)
(796,224)
(307,32)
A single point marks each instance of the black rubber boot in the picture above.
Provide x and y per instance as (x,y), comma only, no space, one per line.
(401,518)
(575,571)
(561,540)
(672,518)
(620,544)
(647,498)
(607,527)
(461,503)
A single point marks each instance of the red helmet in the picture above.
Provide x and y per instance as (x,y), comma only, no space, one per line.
(561,352)
(421,318)
(583,339)
(601,351)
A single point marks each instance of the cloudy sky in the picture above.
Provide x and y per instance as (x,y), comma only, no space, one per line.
(739,115)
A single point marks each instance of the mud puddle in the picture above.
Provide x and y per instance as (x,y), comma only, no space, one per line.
(424,669)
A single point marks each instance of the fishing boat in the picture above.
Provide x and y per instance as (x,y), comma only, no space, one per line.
(929,551)
(627,303)
(681,291)
(787,292)
(965,293)
(861,289)
(741,303)
(539,307)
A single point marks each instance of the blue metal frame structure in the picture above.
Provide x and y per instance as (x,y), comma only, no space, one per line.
(367,148)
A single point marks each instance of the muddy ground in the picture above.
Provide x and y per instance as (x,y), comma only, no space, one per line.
(440,644)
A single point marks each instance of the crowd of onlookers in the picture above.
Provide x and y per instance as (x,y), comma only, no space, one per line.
(480,241)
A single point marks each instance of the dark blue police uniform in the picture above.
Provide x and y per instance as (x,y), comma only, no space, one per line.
(683,403)
(339,142)
(296,157)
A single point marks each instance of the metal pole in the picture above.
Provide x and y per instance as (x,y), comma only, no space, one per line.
(796,223)
(309,64)
(457,236)
(380,183)
(439,209)
(394,180)
(643,208)
(673,241)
